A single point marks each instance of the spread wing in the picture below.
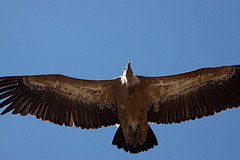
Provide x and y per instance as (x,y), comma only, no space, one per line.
(60,99)
(192,95)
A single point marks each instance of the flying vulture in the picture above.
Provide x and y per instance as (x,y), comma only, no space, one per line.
(132,101)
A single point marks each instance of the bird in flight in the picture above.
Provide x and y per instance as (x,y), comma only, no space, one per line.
(130,100)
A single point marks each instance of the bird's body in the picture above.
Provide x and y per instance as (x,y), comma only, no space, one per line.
(130,100)
(132,112)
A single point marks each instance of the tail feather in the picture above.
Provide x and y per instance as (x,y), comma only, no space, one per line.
(119,140)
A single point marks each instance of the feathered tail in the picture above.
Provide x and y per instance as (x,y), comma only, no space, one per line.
(119,140)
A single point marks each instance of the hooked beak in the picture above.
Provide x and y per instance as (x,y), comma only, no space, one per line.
(128,65)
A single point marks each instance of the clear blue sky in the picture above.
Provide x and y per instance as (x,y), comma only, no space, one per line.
(94,40)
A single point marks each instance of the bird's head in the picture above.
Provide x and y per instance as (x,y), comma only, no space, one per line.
(129,78)
(128,70)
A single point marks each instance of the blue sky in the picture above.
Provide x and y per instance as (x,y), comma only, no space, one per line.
(95,40)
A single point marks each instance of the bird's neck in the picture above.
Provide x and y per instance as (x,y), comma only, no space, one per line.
(130,80)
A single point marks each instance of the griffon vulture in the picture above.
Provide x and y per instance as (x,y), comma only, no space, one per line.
(130,100)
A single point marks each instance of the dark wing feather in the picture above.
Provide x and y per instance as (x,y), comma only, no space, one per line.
(192,95)
(60,99)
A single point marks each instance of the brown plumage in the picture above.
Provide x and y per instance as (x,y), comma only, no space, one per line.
(129,100)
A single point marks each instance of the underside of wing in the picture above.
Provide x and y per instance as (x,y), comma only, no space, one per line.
(192,95)
(60,99)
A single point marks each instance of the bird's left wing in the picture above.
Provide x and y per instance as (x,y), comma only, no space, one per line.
(60,99)
(192,95)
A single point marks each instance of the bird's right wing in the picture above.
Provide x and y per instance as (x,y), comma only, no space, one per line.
(60,99)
